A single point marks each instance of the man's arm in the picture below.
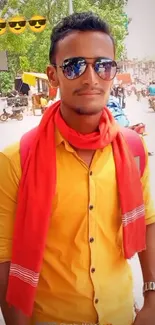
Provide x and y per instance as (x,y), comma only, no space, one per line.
(147,261)
(9,182)
(147,257)
(146,315)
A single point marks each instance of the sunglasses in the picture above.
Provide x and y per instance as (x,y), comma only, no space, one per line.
(14,23)
(74,68)
(2,25)
(41,22)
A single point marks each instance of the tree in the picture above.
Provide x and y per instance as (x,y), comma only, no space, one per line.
(2,4)
(5,82)
(29,51)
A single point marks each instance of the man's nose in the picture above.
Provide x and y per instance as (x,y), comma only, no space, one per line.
(90,77)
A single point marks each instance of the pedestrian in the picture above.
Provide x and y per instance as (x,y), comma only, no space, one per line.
(151,89)
(73,208)
(138,90)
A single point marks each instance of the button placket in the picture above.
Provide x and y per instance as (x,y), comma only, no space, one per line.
(92,228)
(92,237)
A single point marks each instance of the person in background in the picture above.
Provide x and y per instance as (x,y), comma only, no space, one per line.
(43,103)
(120,94)
(138,87)
(129,89)
(151,89)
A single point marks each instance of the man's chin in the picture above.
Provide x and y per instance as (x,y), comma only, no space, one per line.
(88,111)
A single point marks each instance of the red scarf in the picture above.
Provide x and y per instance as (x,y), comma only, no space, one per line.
(37,188)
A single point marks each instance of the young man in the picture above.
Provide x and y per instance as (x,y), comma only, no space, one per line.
(73,209)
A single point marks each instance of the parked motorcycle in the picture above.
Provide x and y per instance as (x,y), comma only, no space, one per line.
(138,95)
(17,115)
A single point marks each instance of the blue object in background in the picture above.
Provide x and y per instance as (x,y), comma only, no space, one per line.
(117,111)
(151,90)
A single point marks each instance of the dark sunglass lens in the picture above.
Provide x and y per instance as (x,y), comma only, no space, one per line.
(74,68)
(2,25)
(32,22)
(12,24)
(22,23)
(42,22)
(106,69)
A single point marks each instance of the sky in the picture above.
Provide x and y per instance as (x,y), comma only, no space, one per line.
(141,40)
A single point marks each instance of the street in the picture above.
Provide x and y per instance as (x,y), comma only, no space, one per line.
(12,130)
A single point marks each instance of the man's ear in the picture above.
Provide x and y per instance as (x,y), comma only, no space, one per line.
(52,76)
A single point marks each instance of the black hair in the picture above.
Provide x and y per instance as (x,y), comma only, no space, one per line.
(84,21)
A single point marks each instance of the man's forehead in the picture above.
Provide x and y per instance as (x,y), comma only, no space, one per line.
(85,44)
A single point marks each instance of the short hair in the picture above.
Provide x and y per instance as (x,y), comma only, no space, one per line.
(85,21)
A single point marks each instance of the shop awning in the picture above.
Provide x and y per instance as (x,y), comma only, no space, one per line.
(30,78)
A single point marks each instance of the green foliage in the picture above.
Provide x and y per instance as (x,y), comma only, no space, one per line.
(29,51)
(6,82)
(2,4)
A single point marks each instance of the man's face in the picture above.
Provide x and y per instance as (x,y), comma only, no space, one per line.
(87,94)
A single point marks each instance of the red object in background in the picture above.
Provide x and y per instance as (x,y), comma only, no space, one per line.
(52,92)
(124,77)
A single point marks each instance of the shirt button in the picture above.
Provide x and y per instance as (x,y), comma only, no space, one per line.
(92,270)
(91,173)
(91,240)
(91,207)
(96,301)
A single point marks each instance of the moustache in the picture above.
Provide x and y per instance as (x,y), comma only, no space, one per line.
(86,89)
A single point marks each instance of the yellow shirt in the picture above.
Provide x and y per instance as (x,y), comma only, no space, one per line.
(84,276)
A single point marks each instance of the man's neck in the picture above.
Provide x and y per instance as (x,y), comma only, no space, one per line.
(83,124)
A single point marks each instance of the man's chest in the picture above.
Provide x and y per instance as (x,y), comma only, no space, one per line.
(85,196)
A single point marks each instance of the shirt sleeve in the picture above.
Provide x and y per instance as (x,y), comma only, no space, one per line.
(148,202)
(9,183)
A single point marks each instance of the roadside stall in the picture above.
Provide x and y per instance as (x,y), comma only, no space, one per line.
(124,78)
(42,90)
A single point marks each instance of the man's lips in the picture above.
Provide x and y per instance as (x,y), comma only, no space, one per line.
(89,93)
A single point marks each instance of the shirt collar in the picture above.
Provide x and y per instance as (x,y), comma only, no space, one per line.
(59,139)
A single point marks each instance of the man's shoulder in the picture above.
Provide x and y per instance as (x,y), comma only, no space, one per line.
(11,156)
(12,151)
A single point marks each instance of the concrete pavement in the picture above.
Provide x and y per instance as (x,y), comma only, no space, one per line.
(12,130)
